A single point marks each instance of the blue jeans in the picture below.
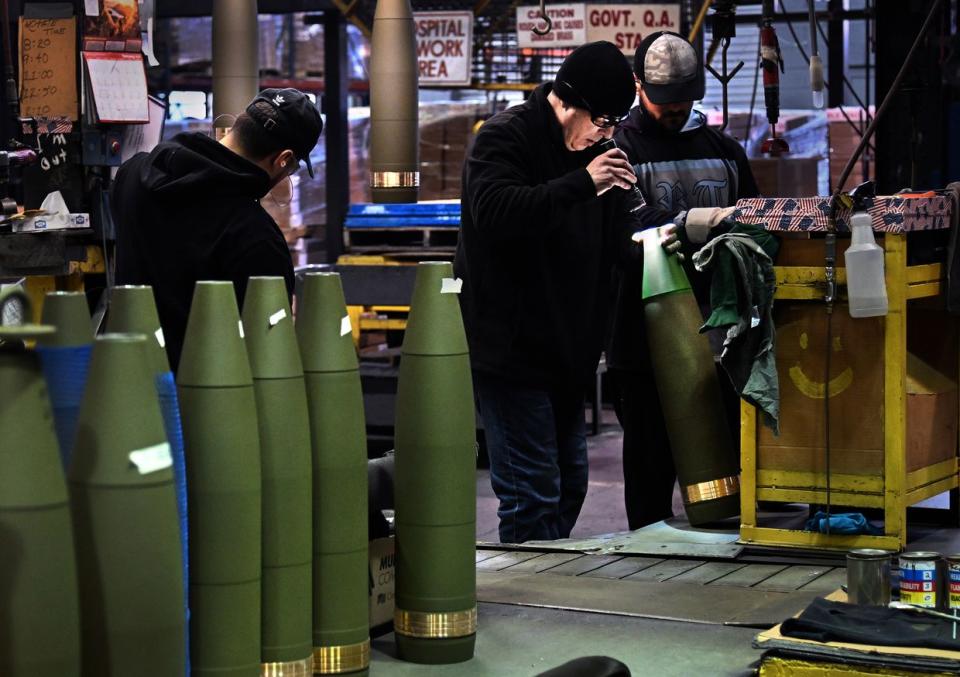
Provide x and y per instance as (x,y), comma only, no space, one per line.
(536,440)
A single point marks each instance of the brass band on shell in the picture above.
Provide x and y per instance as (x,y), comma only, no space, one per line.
(708,491)
(394,179)
(301,668)
(334,660)
(442,625)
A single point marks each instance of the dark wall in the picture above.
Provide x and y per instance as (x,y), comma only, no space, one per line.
(911,137)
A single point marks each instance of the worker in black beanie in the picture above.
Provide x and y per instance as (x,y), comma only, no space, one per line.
(544,216)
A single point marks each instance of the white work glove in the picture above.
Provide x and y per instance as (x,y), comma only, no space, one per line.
(668,240)
(701,220)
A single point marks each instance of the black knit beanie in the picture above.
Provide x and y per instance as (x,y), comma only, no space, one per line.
(598,77)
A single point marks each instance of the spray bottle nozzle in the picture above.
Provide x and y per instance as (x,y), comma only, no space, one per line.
(863,194)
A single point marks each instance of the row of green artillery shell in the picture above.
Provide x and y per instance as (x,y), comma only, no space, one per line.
(97,574)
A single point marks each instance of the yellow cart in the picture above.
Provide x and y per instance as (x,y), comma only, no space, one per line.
(893,412)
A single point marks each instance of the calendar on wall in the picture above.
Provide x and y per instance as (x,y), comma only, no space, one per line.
(117,86)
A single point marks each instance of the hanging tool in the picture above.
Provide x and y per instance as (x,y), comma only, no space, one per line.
(723,24)
(771,62)
(547,19)
(816,64)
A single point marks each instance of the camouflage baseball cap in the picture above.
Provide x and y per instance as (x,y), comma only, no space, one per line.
(669,68)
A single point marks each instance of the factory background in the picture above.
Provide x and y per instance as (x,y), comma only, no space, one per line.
(854,503)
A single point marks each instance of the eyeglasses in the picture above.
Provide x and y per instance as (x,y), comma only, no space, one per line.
(601,121)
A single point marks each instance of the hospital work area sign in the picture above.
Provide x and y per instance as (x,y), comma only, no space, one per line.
(444,48)
(574,24)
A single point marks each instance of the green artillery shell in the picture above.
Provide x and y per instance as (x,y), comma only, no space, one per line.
(69,313)
(223,481)
(133,311)
(125,519)
(435,486)
(65,358)
(707,467)
(340,549)
(40,618)
(286,466)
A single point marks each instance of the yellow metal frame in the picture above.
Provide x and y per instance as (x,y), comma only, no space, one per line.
(897,488)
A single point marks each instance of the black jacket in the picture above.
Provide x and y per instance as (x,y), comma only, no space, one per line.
(695,167)
(536,248)
(189,211)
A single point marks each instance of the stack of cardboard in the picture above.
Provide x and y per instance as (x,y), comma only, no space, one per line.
(843,142)
(443,147)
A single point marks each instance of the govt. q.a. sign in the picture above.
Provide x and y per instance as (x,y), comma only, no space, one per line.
(444,48)
(574,24)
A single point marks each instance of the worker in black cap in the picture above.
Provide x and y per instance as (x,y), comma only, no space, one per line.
(543,217)
(189,210)
(682,166)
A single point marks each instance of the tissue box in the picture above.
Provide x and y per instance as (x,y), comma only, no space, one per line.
(36,224)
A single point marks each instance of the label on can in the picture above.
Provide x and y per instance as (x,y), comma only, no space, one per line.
(918,583)
(954,579)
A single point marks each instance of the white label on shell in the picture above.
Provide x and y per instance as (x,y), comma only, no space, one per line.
(159,335)
(450,285)
(345,326)
(277,317)
(152,459)
(240,326)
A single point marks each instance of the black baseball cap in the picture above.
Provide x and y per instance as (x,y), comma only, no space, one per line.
(294,120)
(669,68)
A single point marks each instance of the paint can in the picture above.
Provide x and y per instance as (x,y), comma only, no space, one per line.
(953,583)
(921,579)
(868,577)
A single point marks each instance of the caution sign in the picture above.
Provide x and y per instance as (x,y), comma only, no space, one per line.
(444,48)
(569,27)
(627,25)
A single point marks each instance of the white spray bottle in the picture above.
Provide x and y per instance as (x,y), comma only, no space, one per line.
(866,284)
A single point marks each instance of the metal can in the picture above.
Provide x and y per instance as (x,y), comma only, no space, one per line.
(953,582)
(921,579)
(868,577)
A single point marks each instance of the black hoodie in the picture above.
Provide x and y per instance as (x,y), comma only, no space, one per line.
(535,251)
(189,211)
(695,167)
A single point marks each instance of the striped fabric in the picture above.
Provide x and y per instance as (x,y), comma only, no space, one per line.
(891,213)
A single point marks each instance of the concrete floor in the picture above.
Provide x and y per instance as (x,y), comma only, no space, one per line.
(518,641)
(603,510)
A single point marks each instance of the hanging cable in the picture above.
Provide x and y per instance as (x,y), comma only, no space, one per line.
(888,98)
(806,58)
(840,199)
(846,82)
(816,64)
(753,97)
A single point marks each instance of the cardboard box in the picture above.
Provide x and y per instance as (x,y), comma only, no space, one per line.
(856,398)
(931,415)
(382,574)
(785,176)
